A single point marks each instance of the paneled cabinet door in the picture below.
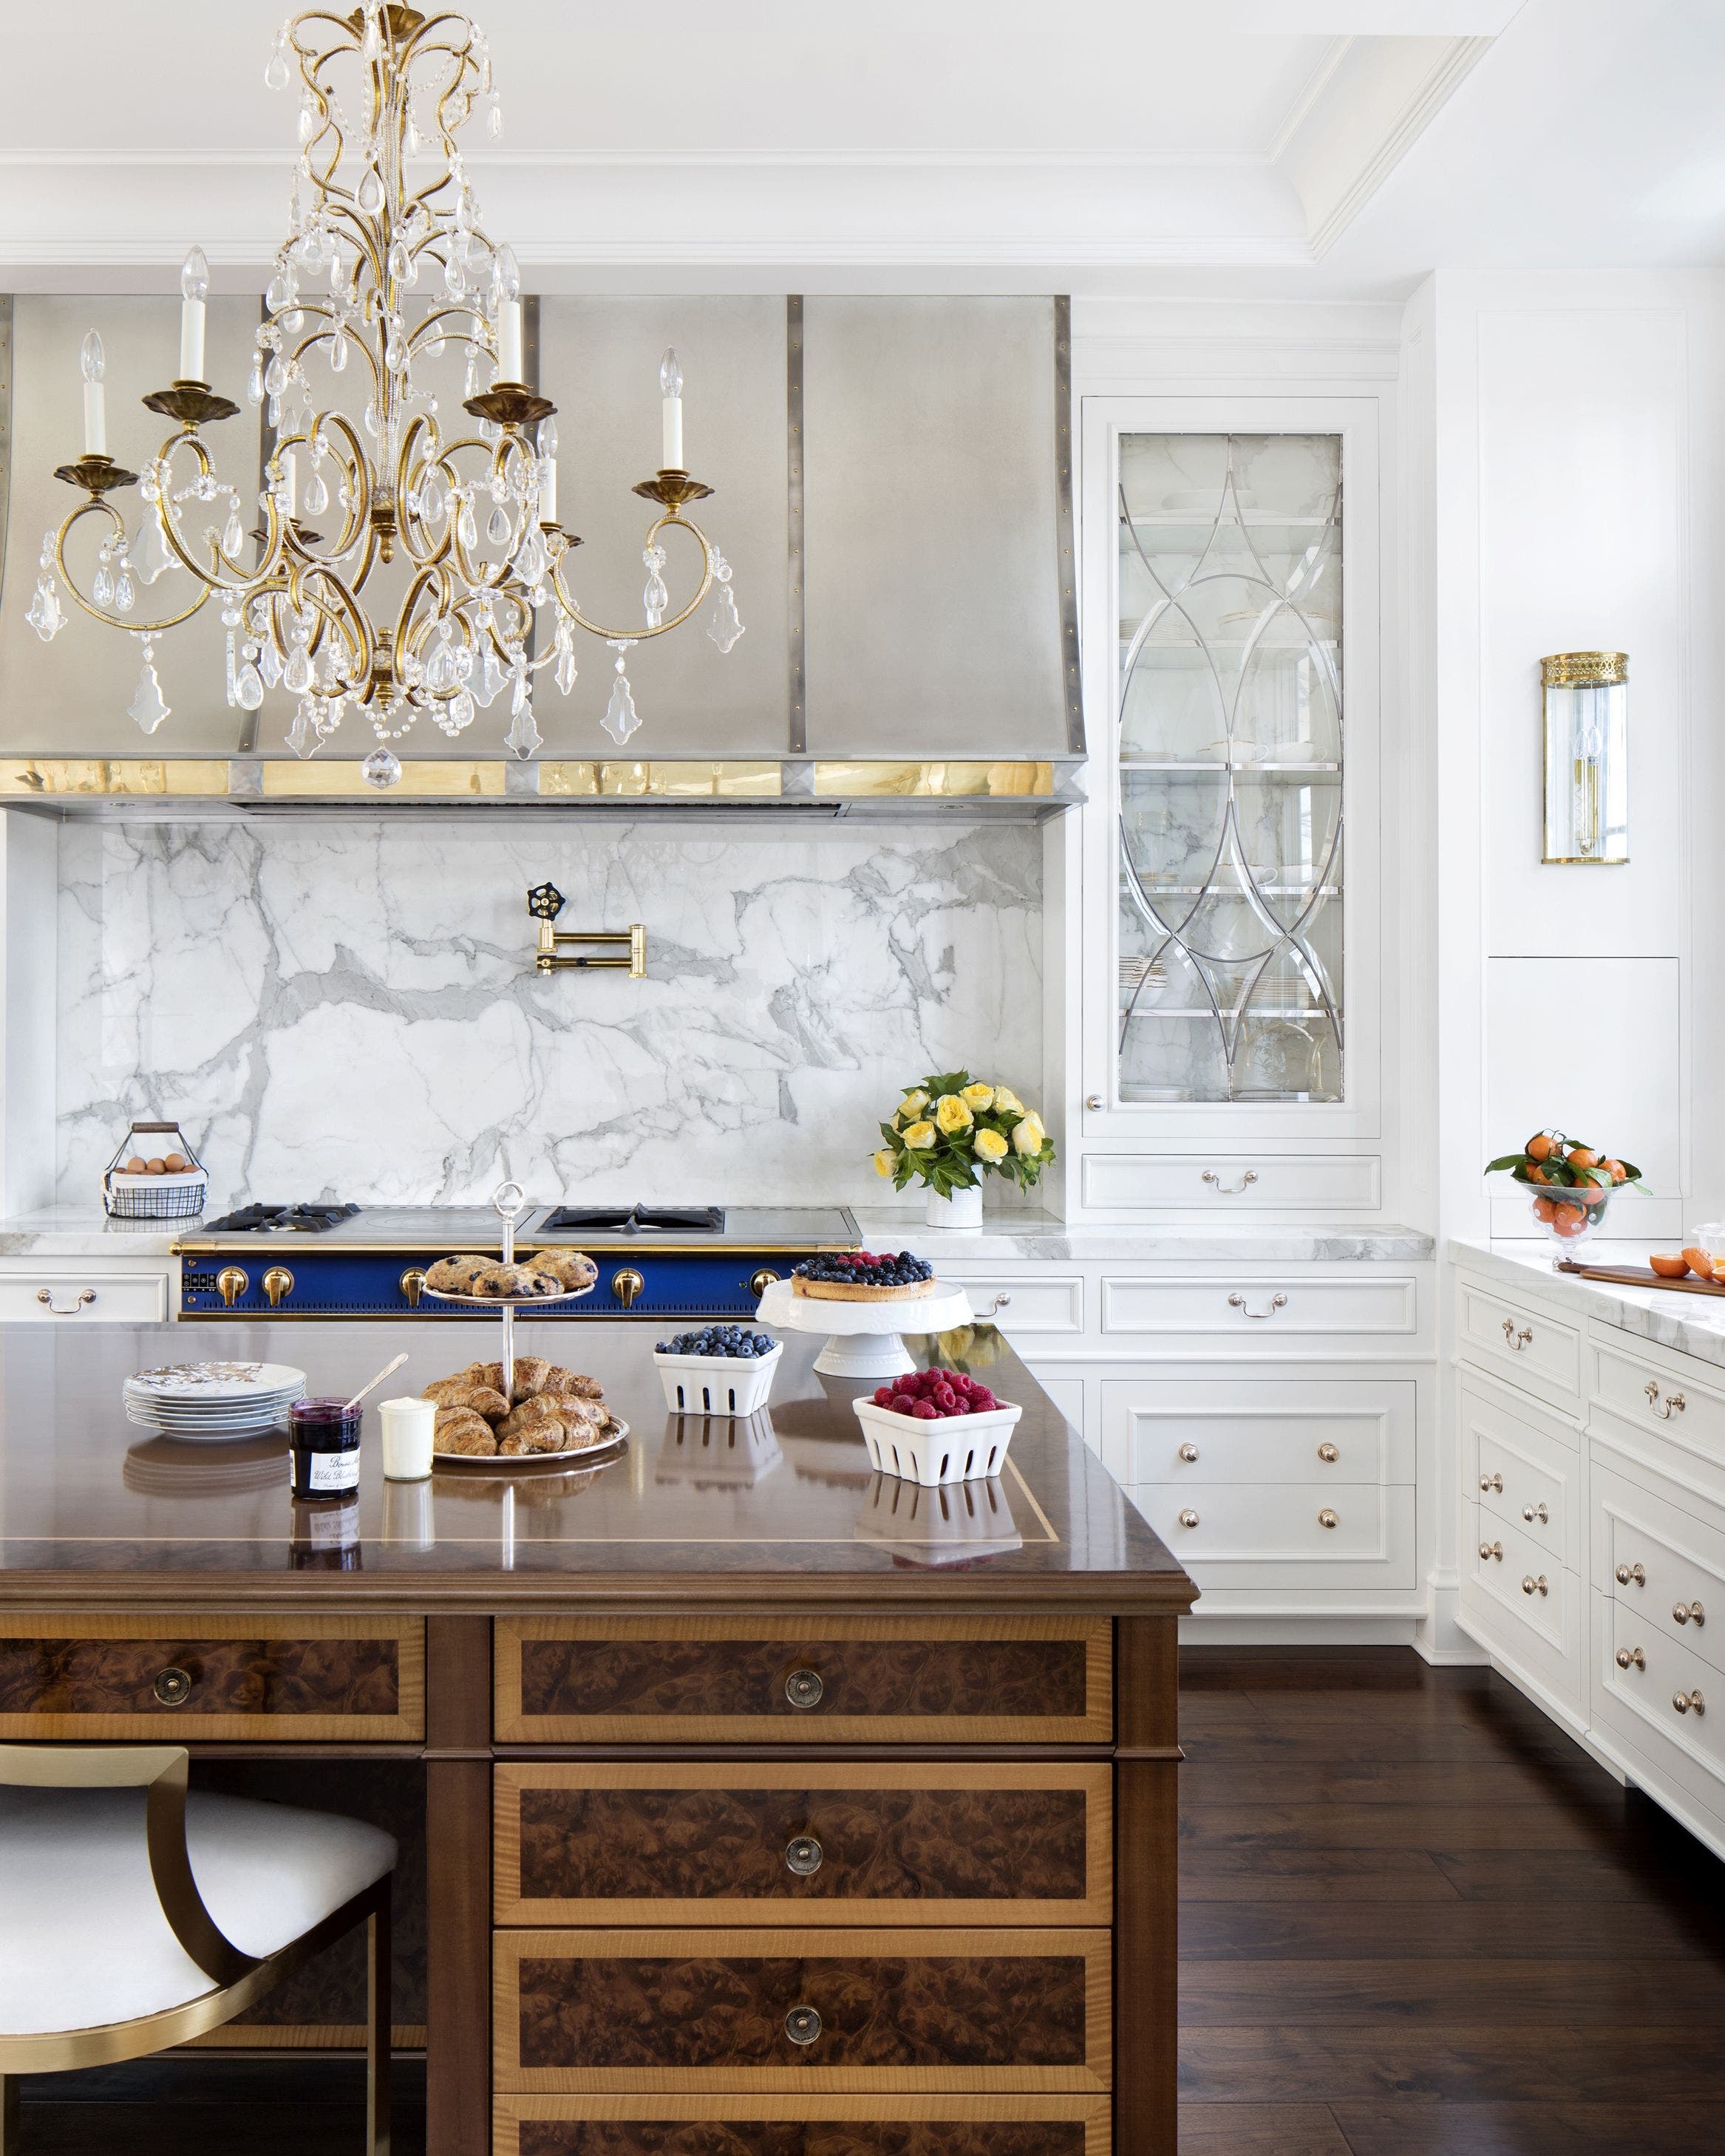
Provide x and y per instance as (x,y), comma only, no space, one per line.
(1234,913)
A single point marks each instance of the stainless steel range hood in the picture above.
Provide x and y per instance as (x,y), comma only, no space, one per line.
(893,486)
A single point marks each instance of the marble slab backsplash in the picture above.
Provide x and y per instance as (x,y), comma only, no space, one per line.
(348,1009)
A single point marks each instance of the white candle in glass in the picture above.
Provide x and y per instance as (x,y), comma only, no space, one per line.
(671,411)
(91,362)
(509,341)
(547,471)
(194,289)
(408,1428)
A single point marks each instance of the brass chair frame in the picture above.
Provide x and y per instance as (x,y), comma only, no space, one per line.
(237,1979)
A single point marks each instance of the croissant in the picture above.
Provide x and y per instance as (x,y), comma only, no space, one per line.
(463,1392)
(571,1383)
(574,1420)
(459,1430)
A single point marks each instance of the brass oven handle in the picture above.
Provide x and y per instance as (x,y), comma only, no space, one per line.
(805,1689)
(626,1284)
(804,1855)
(761,1280)
(45,1295)
(172,1686)
(232,1283)
(802,2024)
(1683,1612)
(278,1282)
(1222,1190)
(411,1283)
(1630,1658)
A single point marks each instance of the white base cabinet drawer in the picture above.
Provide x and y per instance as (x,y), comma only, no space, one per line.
(1522,1470)
(1258,1309)
(1302,1536)
(1663,1701)
(1227,1184)
(1514,1341)
(1678,1414)
(85,1296)
(1024,1302)
(1525,1610)
(1327,1432)
(1663,1566)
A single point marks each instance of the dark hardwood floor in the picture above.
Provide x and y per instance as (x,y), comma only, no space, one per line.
(1416,1921)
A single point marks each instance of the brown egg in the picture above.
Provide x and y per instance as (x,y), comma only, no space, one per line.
(1669,1265)
(136,1165)
(175,1163)
(155,1167)
(1699,1260)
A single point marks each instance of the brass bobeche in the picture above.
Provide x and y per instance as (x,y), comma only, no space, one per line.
(192,403)
(1573,669)
(95,475)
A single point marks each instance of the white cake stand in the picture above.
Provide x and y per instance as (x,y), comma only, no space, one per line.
(864,1339)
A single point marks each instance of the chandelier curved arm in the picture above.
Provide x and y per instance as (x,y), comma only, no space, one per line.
(224,572)
(337,328)
(89,605)
(356,474)
(640,635)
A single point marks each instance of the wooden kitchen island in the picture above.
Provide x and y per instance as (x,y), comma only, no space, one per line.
(757,1790)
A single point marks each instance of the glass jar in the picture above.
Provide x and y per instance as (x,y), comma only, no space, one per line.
(325,1435)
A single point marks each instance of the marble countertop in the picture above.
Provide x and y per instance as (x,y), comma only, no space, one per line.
(1693,1324)
(69,1231)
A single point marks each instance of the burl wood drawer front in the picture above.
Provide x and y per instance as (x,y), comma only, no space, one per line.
(614,2013)
(801,2125)
(306,1678)
(627,1680)
(869,1843)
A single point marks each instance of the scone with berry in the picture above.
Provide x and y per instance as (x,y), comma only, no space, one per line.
(862,1276)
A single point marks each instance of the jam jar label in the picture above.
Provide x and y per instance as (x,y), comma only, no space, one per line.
(333,1471)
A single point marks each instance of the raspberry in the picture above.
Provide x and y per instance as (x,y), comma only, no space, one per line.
(924,1412)
(883,1398)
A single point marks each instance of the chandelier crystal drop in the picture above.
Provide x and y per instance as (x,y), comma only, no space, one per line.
(415,594)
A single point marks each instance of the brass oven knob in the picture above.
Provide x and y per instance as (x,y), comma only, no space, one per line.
(173,1687)
(805,1689)
(411,1281)
(626,1284)
(761,1280)
(804,1855)
(232,1283)
(802,2024)
(278,1281)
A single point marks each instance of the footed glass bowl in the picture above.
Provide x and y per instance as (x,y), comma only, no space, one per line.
(1570,1218)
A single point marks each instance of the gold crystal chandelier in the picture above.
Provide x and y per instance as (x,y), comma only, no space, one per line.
(445,565)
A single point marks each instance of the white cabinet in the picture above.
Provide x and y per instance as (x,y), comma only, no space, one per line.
(67,1291)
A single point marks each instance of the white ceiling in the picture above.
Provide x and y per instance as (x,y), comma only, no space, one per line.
(1104,145)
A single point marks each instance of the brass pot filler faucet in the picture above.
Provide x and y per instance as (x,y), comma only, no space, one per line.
(545,902)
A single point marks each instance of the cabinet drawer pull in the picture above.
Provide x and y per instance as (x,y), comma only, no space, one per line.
(1671,1404)
(1276,1302)
(1685,1700)
(1326,1518)
(1627,1573)
(172,1686)
(1531,1585)
(45,1296)
(804,1855)
(804,1689)
(1188,1519)
(1520,1340)
(1095,1100)
(802,2024)
(1492,1482)
(1532,1513)
(1631,1658)
(999,1304)
(1329,1453)
(1491,1550)
(1682,1611)
(1223,1189)
(1188,1453)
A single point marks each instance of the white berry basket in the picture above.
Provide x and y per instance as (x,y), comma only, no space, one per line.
(949,1448)
(716,1384)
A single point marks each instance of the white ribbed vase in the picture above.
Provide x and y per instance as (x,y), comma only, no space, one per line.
(963,1209)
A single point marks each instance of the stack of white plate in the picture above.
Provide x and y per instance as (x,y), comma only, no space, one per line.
(212,1399)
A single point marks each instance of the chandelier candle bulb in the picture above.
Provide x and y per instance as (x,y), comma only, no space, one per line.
(509,341)
(91,362)
(194,289)
(671,390)
(547,471)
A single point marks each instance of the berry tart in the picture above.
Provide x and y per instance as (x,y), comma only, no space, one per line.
(862,1276)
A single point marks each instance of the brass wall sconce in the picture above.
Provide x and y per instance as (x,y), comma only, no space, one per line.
(624,946)
(1587,760)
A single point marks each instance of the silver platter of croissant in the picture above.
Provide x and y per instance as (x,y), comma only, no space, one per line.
(553,1416)
(482,1283)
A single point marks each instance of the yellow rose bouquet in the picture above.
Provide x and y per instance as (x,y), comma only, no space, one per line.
(951,1130)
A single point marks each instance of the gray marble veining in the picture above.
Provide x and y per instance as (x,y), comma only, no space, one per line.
(349,1009)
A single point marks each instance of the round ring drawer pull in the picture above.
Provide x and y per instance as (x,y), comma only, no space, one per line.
(1682,1611)
(802,2024)
(1530,1585)
(1492,1482)
(1627,1573)
(1329,1453)
(1491,1549)
(1532,1513)
(804,1689)
(1684,1701)
(804,1855)
(1188,1453)
(1631,1658)
(1188,1518)
(1326,1518)
(173,1687)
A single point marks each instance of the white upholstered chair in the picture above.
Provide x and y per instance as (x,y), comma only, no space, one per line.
(134,1915)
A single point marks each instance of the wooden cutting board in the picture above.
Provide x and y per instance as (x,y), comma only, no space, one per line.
(1642,1276)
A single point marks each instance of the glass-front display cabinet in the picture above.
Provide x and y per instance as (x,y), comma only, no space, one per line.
(1229,657)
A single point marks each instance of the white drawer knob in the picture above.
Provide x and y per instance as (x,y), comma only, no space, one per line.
(1188,1519)
(1188,1453)
(1684,1702)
